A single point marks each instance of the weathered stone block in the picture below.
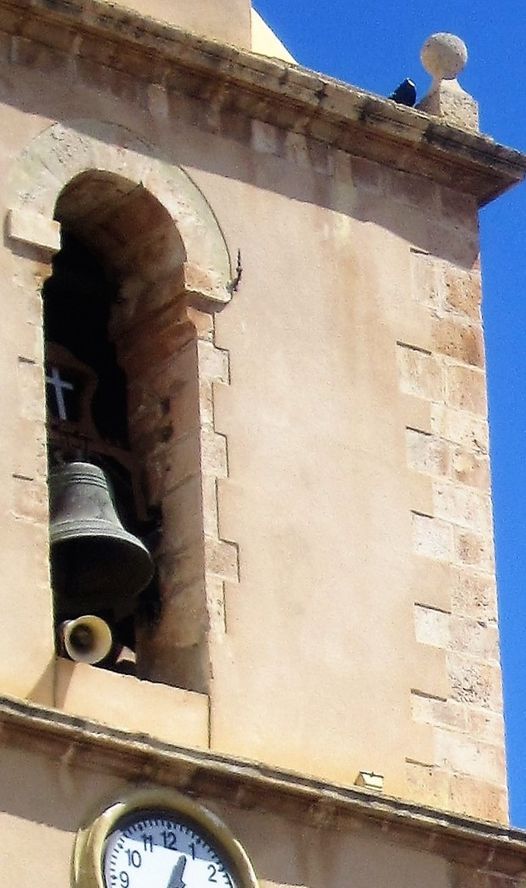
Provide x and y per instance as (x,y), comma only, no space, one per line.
(473,594)
(485,725)
(200,303)
(432,626)
(466,389)
(32,228)
(416,413)
(182,515)
(182,459)
(30,385)
(470,467)
(33,54)
(462,292)
(265,138)
(210,507)
(469,795)
(157,99)
(463,506)
(431,583)
(447,99)
(221,559)
(413,190)
(444,713)
(427,453)
(106,79)
(187,564)
(213,362)
(342,165)
(429,678)
(432,538)
(421,373)
(183,413)
(463,755)
(458,208)
(427,784)
(296,149)
(366,174)
(184,612)
(426,287)
(30,500)
(213,454)
(460,428)
(459,341)
(464,876)
(474,550)
(474,638)
(207,399)
(29,457)
(235,125)
(475,682)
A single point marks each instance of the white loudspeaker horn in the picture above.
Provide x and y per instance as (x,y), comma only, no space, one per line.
(87,639)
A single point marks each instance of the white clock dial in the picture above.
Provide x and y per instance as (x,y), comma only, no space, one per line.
(160,850)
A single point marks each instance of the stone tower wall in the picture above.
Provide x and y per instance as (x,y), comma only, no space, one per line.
(341,587)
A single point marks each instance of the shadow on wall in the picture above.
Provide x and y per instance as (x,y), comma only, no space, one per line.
(219,141)
(43,692)
(291,853)
(39,789)
(284,851)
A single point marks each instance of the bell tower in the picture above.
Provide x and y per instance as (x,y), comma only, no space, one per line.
(249,630)
(230,22)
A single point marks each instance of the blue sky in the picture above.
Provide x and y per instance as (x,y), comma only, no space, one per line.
(374,47)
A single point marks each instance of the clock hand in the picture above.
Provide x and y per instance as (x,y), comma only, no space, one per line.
(176,879)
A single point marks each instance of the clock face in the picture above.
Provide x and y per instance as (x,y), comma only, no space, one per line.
(162,850)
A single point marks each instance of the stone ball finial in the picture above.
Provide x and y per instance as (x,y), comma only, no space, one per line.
(444,56)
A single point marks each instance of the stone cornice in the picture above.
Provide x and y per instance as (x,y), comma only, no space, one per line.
(137,757)
(268,89)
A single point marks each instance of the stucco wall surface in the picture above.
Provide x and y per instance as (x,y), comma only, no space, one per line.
(228,22)
(40,816)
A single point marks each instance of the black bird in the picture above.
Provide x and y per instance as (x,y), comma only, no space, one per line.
(405,94)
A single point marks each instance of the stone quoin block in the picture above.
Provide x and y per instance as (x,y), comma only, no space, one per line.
(421,373)
(462,293)
(476,682)
(460,427)
(466,389)
(463,506)
(474,594)
(470,468)
(474,550)
(432,538)
(32,228)
(432,626)
(459,341)
(427,453)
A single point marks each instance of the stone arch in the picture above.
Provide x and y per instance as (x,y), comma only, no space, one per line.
(66,151)
(86,176)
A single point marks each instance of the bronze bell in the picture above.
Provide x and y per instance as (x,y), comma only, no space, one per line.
(96,564)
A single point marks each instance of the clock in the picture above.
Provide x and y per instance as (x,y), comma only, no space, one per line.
(159,839)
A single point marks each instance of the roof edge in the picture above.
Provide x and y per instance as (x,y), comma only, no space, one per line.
(88,744)
(272,90)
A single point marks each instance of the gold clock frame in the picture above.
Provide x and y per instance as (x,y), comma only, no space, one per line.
(89,844)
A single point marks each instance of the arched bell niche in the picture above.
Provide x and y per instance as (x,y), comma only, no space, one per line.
(122,373)
(148,242)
